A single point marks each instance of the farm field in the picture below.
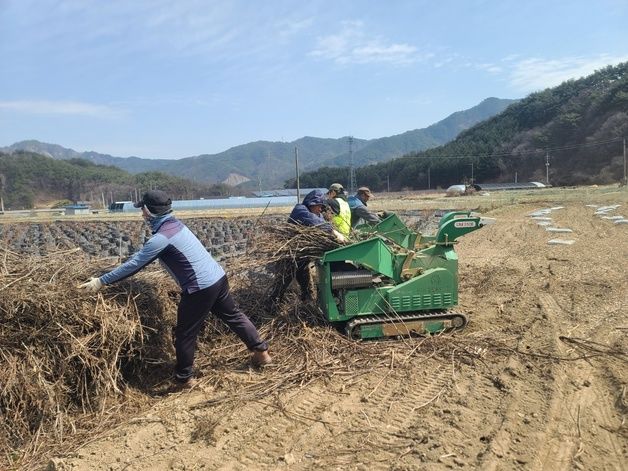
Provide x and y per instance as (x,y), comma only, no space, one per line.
(537,381)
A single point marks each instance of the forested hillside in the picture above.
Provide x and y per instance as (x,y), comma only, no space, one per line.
(28,179)
(577,128)
(387,148)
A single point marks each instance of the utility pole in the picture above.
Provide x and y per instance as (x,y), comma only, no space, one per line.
(296,162)
(515,177)
(352,187)
(472,173)
(547,164)
(429,186)
(625,175)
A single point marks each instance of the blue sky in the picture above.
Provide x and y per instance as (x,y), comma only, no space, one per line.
(171,79)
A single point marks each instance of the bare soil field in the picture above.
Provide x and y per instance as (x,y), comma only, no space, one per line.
(537,381)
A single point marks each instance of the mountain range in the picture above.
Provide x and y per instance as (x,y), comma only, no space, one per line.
(271,163)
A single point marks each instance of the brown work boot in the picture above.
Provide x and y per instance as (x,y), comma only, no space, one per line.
(259,359)
(190,383)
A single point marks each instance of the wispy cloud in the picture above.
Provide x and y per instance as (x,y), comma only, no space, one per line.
(44,107)
(291,27)
(489,67)
(534,74)
(121,29)
(351,45)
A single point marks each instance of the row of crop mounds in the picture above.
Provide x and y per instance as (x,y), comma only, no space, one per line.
(223,237)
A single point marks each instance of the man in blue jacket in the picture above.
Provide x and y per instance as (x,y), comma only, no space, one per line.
(359,210)
(203,283)
(307,213)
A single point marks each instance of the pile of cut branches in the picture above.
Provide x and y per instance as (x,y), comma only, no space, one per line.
(63,350)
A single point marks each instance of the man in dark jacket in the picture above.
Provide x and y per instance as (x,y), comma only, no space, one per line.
(202,280)
(308,213)
(359,210)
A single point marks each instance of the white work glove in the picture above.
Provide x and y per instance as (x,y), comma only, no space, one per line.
(339,236)
(93,285)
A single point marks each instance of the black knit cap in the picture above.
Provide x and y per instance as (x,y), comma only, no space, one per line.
(156,201)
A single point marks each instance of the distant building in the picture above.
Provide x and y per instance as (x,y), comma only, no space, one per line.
(508,186)
(78,208)
(458,190)
(119,206)
(285,192)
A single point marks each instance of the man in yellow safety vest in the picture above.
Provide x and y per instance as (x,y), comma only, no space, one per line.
(337,200)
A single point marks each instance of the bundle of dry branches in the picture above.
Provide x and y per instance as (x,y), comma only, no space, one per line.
(272,243)
(278,249)
(62,349)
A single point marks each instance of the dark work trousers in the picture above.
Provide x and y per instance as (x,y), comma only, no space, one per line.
(192,312)
(284,274)
(303,278)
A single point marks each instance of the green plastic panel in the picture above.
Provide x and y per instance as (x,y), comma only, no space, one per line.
(456,225)
(434,289)
(372,253)
(394,229)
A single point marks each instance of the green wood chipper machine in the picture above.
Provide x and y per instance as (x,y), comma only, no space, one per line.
(396,282)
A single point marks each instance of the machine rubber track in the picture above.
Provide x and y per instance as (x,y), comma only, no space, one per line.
(457,320)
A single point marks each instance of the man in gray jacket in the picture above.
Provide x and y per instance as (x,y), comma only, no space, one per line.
(203,283)
(359,210)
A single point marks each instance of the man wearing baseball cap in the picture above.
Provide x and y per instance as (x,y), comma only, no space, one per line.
(203,282)
(337,200)
(308,213)
(156,201)
(359,210)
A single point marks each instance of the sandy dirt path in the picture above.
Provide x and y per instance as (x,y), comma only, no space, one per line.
(555,399)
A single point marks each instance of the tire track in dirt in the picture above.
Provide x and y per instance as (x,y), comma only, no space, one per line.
(525,404)
(263,444)
(549,415)
(384,417)
(310,433)
(558,447)
(564,438)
